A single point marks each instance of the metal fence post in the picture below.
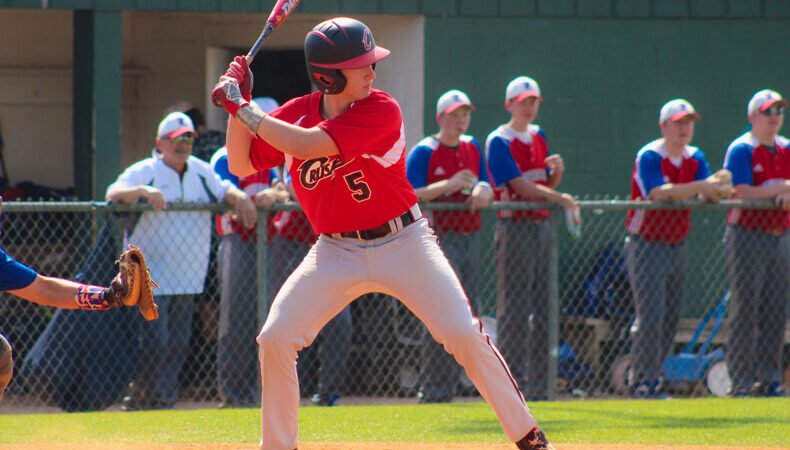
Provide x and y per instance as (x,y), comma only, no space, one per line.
(487,286)
(554,309)
(262,267)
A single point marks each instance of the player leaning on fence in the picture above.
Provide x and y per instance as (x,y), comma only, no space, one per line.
(757,249)
(666,169)
(523,171)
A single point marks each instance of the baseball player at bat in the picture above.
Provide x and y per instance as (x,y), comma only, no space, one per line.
(344,148)
(131,286)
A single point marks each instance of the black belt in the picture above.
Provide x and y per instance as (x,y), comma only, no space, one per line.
(380,231)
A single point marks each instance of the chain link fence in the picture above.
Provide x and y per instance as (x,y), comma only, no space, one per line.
(593,313)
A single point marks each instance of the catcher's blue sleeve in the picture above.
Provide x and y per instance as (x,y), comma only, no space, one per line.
(14,275)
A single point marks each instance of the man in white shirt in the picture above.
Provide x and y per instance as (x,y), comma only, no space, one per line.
(177,245)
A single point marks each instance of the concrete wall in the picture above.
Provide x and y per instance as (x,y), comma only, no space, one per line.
(164,61)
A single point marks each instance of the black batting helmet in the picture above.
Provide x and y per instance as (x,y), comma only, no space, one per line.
(339,43)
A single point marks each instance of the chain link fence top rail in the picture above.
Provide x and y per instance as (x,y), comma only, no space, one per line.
(561,306)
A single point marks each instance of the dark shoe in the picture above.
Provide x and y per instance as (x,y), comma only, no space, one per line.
(775,389)
(324,399)
(648,391)
(130,404)
(535,440)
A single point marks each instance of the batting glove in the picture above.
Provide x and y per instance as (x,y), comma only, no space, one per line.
(230,95)
(240,71)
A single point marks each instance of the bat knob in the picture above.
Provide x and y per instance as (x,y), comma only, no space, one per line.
(216,97)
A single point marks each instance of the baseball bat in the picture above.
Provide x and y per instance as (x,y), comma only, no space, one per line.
(281,10)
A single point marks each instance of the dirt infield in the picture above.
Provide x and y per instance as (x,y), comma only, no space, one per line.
(373,446)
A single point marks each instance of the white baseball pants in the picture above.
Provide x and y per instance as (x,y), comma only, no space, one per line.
(408,265)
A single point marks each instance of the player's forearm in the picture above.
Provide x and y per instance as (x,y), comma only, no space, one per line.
(302,143)
(238,142)
(535,191)
(433,190)
(749,192)
(126,194)
(674,192)
(49,291)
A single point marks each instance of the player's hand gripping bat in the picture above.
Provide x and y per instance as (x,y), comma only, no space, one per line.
(282,9)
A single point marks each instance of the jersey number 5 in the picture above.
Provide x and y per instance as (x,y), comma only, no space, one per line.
(359,189)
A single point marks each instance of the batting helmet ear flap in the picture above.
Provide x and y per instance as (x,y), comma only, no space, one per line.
(328,81)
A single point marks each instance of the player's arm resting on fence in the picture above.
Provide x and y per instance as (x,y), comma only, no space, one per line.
(528,189)
(245,207)
(739,162)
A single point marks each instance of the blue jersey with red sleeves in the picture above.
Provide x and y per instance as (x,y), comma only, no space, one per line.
(251,184)
(293,225)
(365,185)
(14,275)
(653,168)
(753,164)
(511,154)
(431,161)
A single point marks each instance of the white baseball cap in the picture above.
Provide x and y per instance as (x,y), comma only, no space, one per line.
(764,100)
(174,125)
(452,100)
(677,109)
(266,104)
(521,88)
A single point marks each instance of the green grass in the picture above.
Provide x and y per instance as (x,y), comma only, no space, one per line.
(740,423)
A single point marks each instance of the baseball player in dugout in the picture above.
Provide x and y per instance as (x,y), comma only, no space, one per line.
(344,147)
(449,167)
(131,286)
(656,254)
(523,171)
(757,250)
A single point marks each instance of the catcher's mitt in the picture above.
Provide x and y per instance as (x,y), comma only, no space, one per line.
(133,284)
(722,179)
(6,364)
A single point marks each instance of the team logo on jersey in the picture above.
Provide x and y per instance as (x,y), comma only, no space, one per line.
(439,171)
(367,40)
(758,168)
(312,171)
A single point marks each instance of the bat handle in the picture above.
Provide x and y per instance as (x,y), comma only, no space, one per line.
(268,29)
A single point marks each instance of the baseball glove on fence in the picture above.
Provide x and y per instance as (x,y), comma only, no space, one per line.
(133,284)
(6,364)
(723,181)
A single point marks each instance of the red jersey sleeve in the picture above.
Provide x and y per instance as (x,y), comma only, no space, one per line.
(370,126)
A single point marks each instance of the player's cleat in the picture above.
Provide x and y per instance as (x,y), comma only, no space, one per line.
(324,399)
(535,440)
(775,389)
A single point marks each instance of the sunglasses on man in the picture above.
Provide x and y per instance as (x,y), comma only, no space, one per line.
(185,139)
(774,111)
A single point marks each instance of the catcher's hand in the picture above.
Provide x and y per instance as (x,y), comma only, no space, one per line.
(6,364)
(133,284)
(722,181)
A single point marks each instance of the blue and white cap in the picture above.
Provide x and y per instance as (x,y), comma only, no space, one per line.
(677,109)
(452,100)
(521,88)
(764,100)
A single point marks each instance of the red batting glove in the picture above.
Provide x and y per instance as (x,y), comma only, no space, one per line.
(240,70)
(227,90)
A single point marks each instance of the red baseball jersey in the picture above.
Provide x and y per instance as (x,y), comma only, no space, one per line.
(511,154)
(431,161)
(365,185)
(751,163)
(654,167)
